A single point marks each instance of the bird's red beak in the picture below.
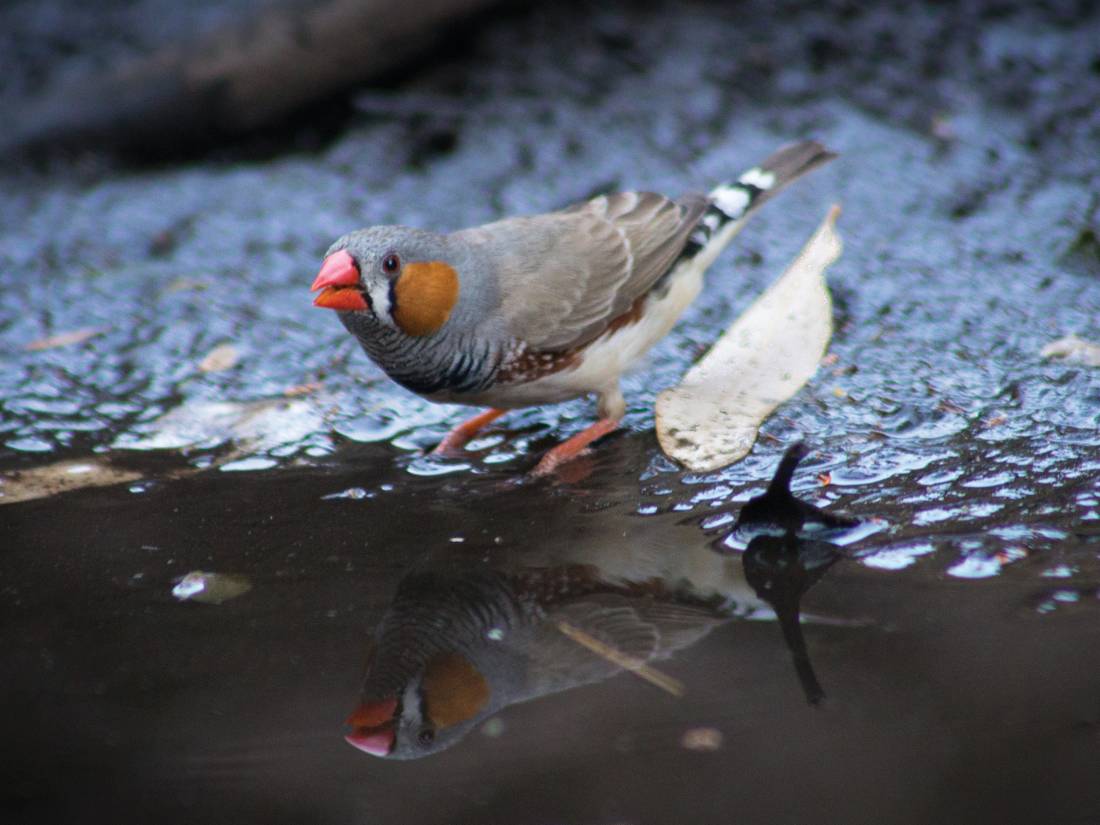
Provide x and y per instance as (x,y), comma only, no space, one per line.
(339,280)
(372,727)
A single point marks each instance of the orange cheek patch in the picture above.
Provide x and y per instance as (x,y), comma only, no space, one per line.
(425,294)
(453,690)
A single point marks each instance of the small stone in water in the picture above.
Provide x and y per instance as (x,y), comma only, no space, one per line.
(210,588)
(351,492)
(701,739)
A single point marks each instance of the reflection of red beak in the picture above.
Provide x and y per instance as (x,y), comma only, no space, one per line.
(339,278)
(372,727)
(377,742)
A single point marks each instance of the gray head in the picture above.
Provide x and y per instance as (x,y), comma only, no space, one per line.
(402,278)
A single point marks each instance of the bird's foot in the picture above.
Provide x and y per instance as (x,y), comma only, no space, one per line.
(456,439)
(572,447)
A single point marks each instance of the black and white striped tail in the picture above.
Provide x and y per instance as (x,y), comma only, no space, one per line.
(731,202)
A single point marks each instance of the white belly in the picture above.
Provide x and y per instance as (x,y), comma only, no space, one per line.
(607,357)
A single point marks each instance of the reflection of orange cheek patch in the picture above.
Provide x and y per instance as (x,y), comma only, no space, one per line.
(424,295)
(373,714)
(453,690)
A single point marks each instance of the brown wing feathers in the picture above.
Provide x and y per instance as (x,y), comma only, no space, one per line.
(580,269)
(567,276)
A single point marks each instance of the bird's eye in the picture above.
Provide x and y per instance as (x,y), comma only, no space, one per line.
(391,263)
(426,737)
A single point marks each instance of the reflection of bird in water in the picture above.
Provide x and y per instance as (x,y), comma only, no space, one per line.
(464,639)
(461,642)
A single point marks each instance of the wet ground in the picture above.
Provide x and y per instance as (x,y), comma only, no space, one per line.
(955,640)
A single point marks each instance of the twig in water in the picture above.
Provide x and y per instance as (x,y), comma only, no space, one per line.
(623,660)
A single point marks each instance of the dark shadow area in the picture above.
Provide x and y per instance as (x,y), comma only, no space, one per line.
(241,79)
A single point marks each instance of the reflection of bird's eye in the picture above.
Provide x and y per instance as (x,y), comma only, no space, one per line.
(426,737)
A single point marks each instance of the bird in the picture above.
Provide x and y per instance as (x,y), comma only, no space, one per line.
(535,310)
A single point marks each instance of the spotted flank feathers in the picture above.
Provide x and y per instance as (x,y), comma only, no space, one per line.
(733,201)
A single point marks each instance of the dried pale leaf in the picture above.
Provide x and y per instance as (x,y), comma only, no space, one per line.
(257,426)
(222,357)
(65,339)
(302,389)
(40,482)
(1073,350)
(210,588)
(712,418)
(185,284)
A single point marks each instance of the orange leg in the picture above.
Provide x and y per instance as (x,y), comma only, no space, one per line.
(573,447)
(456,439)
